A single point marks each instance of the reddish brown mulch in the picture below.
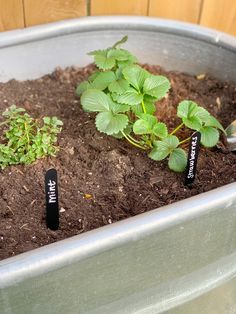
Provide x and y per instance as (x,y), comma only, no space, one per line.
(121,180)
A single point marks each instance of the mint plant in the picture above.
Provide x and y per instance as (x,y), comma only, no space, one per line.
(124,95)
(25,139)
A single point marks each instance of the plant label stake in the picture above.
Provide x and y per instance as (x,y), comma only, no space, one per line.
(194,146)
(52,207)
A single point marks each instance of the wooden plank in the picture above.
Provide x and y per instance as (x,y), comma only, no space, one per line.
(44,11)
(220,14)
(116,7)
(11,14)
(184,10)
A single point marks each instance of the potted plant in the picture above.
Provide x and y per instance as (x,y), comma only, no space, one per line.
(174,257)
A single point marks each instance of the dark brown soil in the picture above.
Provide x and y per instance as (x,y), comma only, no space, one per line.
(121,180)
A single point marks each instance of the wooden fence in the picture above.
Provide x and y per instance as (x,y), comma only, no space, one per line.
(218,14)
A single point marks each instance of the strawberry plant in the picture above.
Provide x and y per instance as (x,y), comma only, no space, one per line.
(124,95)
(26,139)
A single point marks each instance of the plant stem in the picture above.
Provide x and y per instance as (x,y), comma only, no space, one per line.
(144,108)
(152,138)
(177,128)
(133,139)
(3,123)
(185,141)
(131,142)
(27,135)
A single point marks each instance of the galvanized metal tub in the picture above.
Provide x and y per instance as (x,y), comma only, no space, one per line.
(176,259)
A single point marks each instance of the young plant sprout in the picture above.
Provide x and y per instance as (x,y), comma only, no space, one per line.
(25,139)
(124,96)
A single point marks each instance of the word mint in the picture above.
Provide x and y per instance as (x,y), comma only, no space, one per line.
(52,204)
(52,191)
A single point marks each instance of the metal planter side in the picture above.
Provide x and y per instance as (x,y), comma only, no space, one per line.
(178,258)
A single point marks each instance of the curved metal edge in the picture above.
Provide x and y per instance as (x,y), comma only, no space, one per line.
(201,281)
(92,23)
(65,252)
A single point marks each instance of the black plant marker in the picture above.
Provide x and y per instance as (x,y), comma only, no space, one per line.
(52,206)
(194,146)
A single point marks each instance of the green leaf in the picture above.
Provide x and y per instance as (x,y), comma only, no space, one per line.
(110,123)
(82,87)
(141,127)
(119,86)
(119,54)
(177,160)
(192,115)
(145,124)
(56,122)
(172,141)
(137,109)
(117,108)
(120,42)
(160,130)
(93,76)
(118,73)
(24,135)
(156,86)
(201,113)
(104,63)
(123,64)
(185,108)
(193,123)
(103,79)
(95,100)
(212,121)
(101,59)
(163,148)
(130,97)
(209,136)
(160,151)
(12,110)
(149,105)
(127,131)
(135,75)
(47,120)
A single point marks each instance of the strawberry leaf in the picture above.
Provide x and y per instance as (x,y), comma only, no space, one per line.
(177,160)
(103,79)
(120,42)
(145,124)
(129,97)
(95,100)
(213,122)
(156,86)
(163,148)
(119,86)
(82,87)
(150,108)
(192,115)
(110,123)
(135,75)
(121,55)
(209,136)
(117,108)
(160,130)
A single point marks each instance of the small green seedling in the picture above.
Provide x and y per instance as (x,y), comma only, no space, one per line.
(124,95)
(25,139)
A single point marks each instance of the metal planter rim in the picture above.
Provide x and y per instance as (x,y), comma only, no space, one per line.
(51,258)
